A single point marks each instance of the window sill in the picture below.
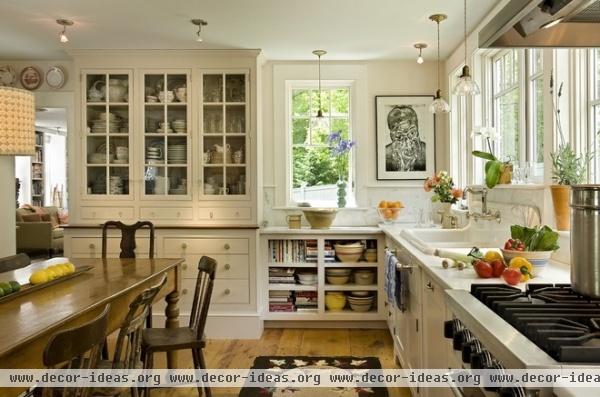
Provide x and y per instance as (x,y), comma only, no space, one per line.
(522,186)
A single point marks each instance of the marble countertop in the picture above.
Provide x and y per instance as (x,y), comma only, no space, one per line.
(452,278)
(332,230)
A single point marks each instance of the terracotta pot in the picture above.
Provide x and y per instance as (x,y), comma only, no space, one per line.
(506,173)
(562,213)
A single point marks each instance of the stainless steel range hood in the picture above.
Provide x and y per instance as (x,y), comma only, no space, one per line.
(549,23)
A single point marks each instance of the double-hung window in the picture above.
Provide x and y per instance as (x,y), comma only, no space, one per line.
(594,111)
(517,105)
(315,171)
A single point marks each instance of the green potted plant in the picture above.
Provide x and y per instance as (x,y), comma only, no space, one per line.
(568,168)
(496,171)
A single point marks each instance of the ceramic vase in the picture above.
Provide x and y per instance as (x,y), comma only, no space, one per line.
(341,193)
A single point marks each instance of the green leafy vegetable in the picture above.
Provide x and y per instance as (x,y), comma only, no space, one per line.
(535,239)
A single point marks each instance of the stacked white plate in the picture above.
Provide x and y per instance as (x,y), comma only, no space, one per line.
(177,154)
(154,155)
(104,119)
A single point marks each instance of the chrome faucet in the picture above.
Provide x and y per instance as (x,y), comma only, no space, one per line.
(486,214)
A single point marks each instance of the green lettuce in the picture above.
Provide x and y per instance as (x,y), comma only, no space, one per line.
(537,238)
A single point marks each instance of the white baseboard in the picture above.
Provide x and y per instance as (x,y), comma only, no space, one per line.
(326,324)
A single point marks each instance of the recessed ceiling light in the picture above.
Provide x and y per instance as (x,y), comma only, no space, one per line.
(199,23)
(63,34)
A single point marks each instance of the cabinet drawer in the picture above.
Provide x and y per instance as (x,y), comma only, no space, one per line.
(167,213)
(106,213)
(228,266)
(225,213)
(224,292)
(206,246)
(91,247)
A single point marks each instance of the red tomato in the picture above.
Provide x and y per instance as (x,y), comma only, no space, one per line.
(498,267)
(508,245)
(512,276)
(483,269)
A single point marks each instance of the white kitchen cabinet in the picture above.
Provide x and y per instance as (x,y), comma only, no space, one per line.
(435,351)
(165,136)
(407,328)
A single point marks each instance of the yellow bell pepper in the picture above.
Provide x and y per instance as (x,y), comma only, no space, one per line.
(522,265)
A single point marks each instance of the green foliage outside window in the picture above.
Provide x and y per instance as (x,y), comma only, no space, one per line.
(312,162)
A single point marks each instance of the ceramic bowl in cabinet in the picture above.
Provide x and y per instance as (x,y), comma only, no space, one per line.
(364,277)
(338,272)
(335,301)
(338,280)
(307,278)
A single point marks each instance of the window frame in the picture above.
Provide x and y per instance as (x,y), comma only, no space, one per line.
(593,105)
(290,86)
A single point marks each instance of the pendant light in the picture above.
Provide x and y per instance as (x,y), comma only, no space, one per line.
(439,105)
(466,86)
(420,47)
(62,36)
(321,120)
(199,23)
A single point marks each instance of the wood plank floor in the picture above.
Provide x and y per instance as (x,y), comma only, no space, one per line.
(288,342)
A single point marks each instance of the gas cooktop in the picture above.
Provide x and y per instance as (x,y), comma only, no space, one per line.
(563,323)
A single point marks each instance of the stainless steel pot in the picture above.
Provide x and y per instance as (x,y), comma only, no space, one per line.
(585,239)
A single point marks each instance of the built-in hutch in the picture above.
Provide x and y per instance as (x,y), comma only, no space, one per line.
(171,137)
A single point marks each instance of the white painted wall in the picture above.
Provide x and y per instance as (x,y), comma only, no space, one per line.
(371,79)
(8,243)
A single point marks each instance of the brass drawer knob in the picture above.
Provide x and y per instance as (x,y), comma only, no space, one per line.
(92,246)
(184,291)
(227,291)
(184,266)
(227,266)
(183,245)
(226,246)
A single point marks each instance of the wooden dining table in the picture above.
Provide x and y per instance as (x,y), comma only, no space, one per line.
(28,321)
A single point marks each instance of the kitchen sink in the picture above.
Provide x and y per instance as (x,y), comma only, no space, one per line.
(428,240)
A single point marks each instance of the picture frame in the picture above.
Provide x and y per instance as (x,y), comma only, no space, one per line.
(405,137)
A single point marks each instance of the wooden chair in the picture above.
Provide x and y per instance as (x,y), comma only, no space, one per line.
(156,340)
(14,262)
(127,237)
(76,348)
(129,342)
(128,244)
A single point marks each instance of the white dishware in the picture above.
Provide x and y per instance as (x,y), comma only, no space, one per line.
(166,96)
(96,91)
(206,157)
(180,94)
(8,77)
(55,77)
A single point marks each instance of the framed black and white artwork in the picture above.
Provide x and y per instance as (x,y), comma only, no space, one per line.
(405,137)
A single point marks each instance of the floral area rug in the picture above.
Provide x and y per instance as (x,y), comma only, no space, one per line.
(287,363)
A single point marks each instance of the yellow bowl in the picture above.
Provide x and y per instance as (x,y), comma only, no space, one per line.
(335,302)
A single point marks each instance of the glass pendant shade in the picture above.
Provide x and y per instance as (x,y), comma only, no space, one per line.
(321,122)
(466,86)
(439,105)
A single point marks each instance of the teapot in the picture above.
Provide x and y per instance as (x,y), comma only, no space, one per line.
(95,93)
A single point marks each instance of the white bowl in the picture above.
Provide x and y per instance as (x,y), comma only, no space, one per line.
(359,294)
(337,272)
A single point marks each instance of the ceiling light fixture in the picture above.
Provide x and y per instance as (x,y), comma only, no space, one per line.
(199,23)
(439,105)
(420,47)
(62,36)
(321,119)
(466,86)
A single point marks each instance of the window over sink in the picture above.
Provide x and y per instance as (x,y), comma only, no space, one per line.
(314,171)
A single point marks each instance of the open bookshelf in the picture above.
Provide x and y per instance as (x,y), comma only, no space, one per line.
(297,277)
(37,171)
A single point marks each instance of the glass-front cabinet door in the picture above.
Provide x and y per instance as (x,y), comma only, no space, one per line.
(107,131)
(166,123)
(224,128)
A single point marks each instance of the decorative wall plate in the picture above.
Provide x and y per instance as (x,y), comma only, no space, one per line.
(31,78)
(55,77)
(8,77)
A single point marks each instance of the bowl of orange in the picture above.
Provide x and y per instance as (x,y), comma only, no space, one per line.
(389,211)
